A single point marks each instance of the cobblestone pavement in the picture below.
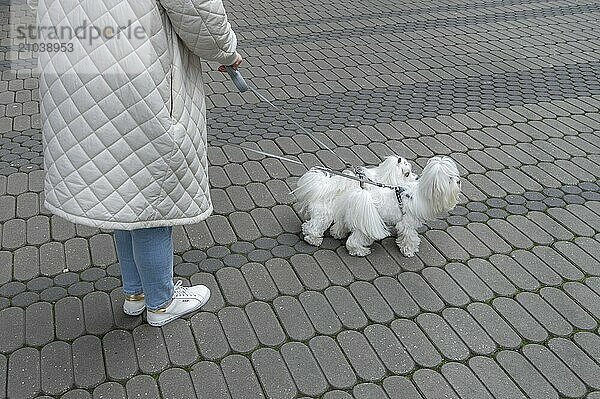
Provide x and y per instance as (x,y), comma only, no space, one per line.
(502,301)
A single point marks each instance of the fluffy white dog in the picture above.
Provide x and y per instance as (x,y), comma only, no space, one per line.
(318,193)
(369,214)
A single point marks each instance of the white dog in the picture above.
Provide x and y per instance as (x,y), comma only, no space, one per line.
(368,214)
(317,193)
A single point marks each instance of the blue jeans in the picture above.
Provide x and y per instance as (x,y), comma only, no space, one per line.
(146,260)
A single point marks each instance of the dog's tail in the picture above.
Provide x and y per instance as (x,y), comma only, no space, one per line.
(360,213)
(313,186)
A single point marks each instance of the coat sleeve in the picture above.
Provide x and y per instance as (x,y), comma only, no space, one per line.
(204,28)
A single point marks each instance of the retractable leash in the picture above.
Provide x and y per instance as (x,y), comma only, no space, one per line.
(242,86)
(357,178)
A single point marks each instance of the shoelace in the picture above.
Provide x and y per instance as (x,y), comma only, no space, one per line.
(180,290)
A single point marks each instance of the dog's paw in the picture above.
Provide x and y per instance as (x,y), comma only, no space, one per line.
(359,251)
(312,240)
(407,252)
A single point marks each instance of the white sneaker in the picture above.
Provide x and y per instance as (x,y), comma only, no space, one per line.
(134,305)
(185,300)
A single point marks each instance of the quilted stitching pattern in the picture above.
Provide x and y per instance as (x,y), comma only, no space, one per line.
(124,117)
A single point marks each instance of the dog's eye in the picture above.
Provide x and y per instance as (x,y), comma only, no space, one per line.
(407,174)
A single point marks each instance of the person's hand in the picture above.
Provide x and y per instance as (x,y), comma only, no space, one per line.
(235,65)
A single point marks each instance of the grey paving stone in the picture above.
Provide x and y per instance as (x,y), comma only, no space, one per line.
(583,295)
(23,378)
(259,281)
(360,268)
(520,319)
(98,312)
(469,331)
(320,313)
(17,183)
(244,226)
(561,378)
(545,314)
(495,280)
(442,336)
(56,368)
(220,229)
(443,284)
(464,382)
(26,263)
(309,272)
(52,258)
(576,360)
(77,394)
(238,330)
(494,379)
(199,235)
(13,234)
(6,263)
(589,343)
(416,343)
(180,343)
(293,318)
(39,324)
(333,267)
(515,272)
(240,377)
(234,287)
(61,229)
(88,361)
(368,390)
(265,324)
(304,369)
(509,233)
(38,230)
(8,207)
(525,375)
(273,374)
(176,383)
(400,387)
(537,268)
(210,336)
(216,300)
(397,297)
(13,329)
(142,386)
(102,248)
(119,354)
(568,308)
(578,257)
(469,282)
(361,355)
(208,381)
(433,385)
(558,263)
(69,319)
(27,205)
(389,349)
(77,254)
(346,307)
(333,363)
(420,291)
(371,301)
(382,261)
(3,373)
(337,395)
(446,245)
(500,331)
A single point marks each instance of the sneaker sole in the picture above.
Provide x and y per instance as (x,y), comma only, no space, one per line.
(129,313)
(170,319)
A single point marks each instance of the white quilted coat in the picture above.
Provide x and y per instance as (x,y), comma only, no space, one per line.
(123,115)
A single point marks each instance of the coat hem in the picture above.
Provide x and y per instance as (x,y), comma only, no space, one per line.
(144,224)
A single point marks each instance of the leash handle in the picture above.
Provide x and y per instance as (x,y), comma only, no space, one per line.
(237,78)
